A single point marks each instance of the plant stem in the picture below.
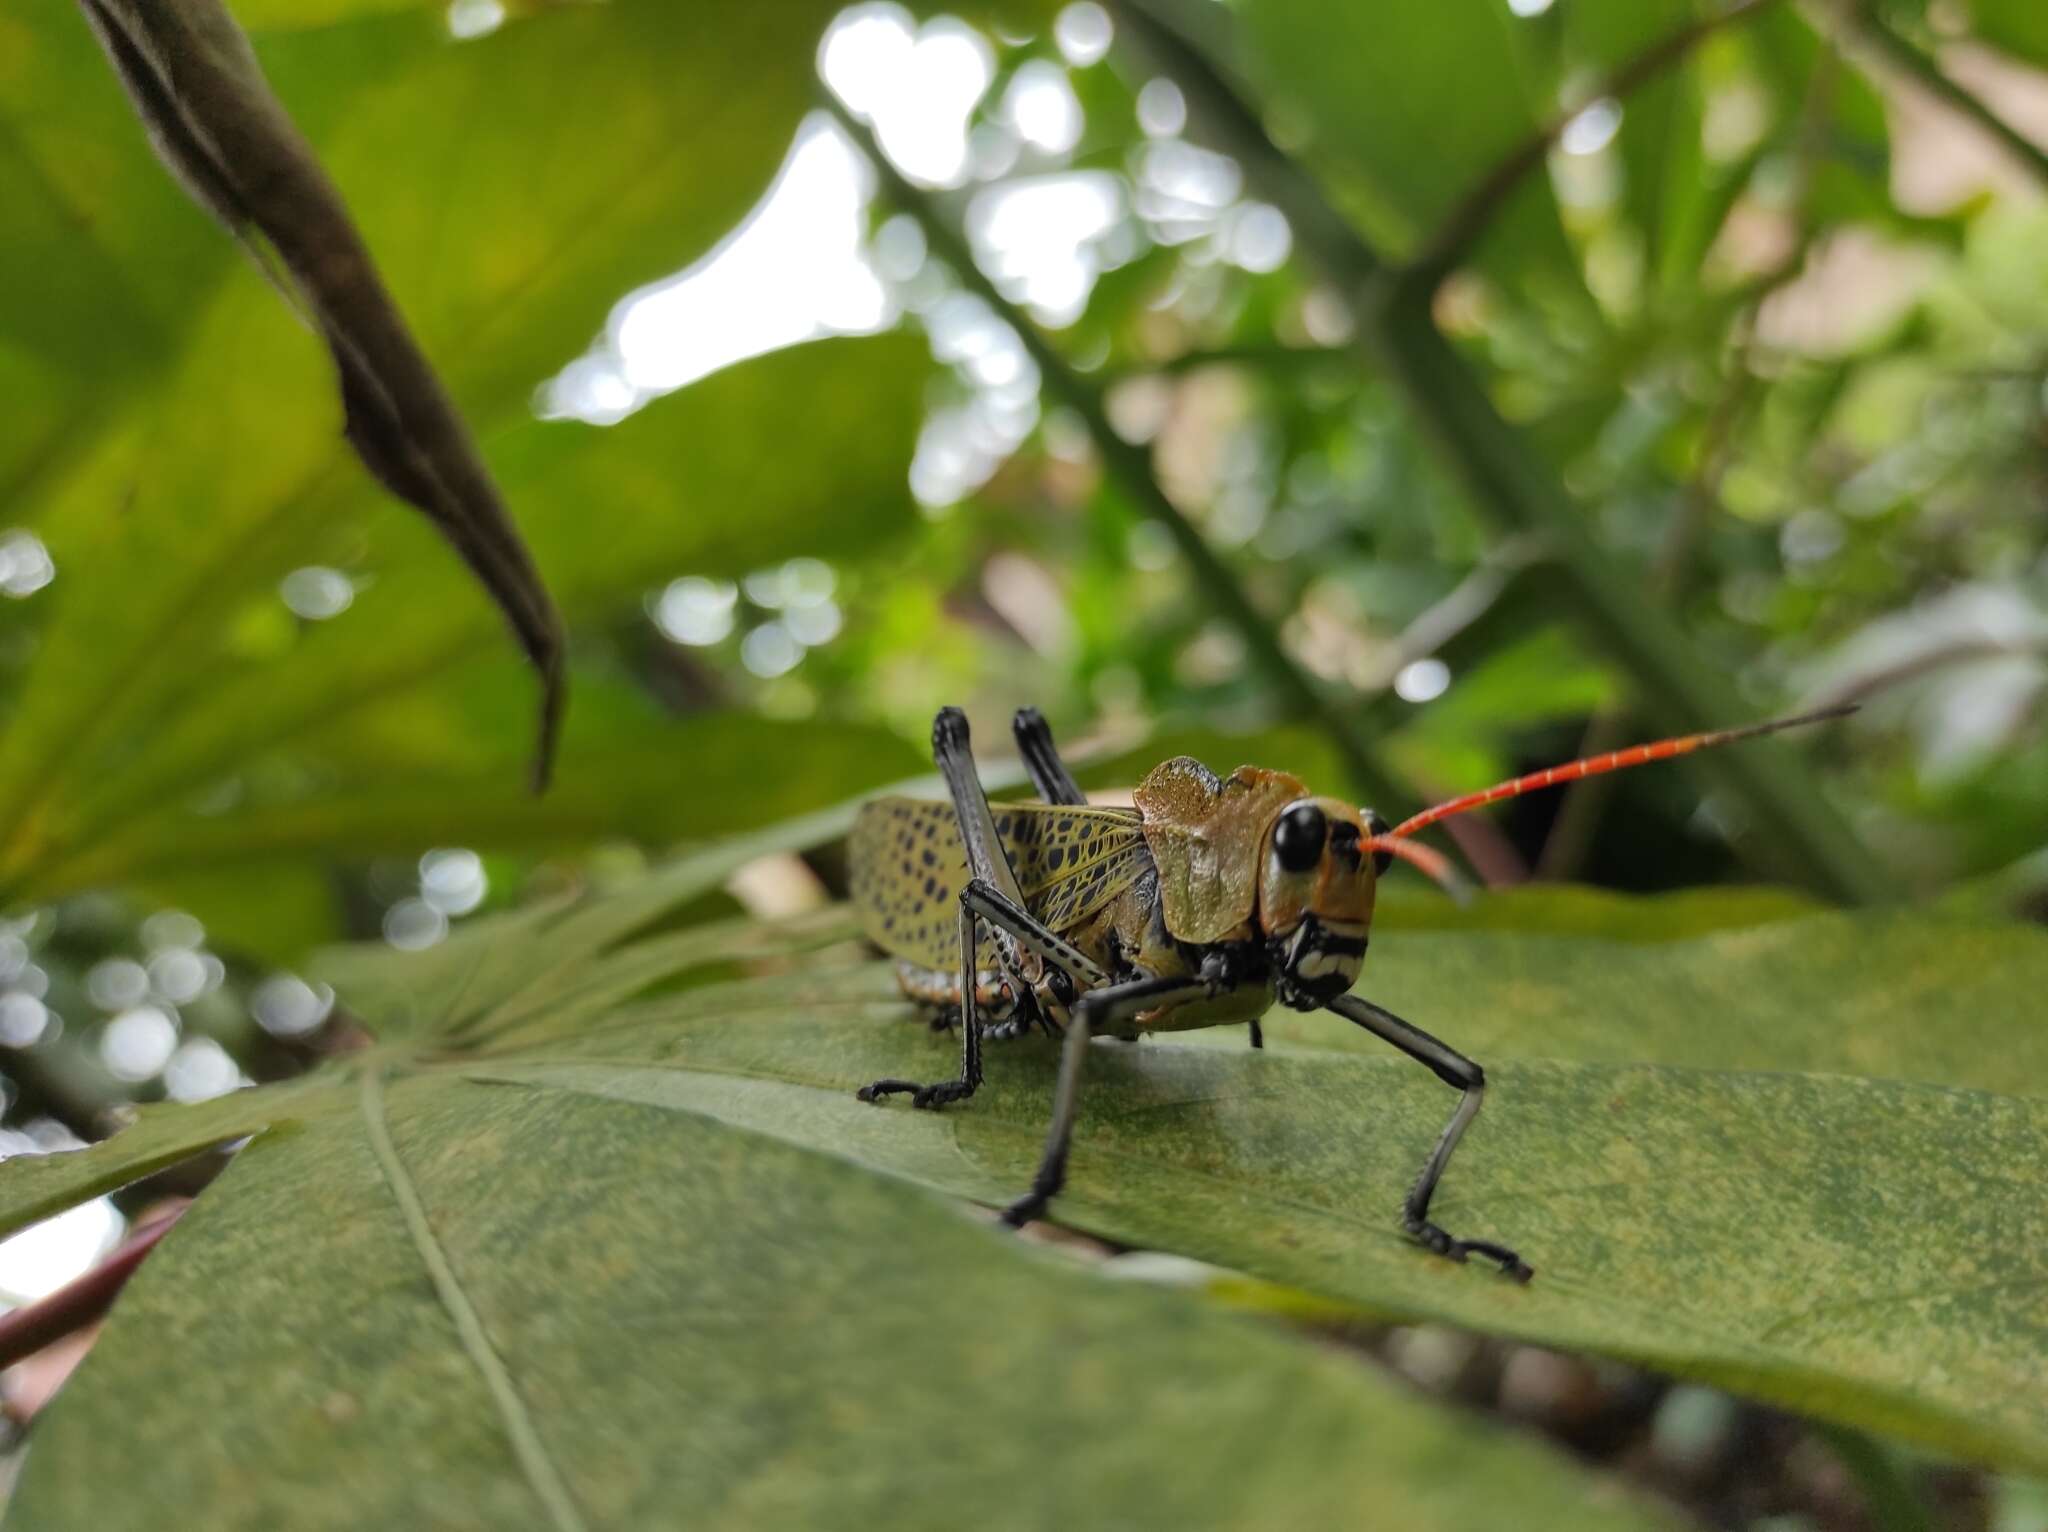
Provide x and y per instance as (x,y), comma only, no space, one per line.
(84,1299)
(1270,358)
(1469,220)
(1797,833)
(1865,25)
(1129,466)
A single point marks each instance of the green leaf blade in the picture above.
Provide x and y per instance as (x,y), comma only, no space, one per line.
(701,1325)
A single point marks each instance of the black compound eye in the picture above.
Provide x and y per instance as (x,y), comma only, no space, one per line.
(1298,838)
(1376,826)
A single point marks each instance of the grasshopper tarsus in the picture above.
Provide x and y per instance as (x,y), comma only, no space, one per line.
(1026,1209)
(1435,1239)
(925,1097)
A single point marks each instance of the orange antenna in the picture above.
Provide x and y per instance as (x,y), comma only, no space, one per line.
(1598,765)
(1433,864)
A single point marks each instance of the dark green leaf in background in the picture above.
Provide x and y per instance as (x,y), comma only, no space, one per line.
(213,119)
(2018,26)
(178,515)
(1372,83)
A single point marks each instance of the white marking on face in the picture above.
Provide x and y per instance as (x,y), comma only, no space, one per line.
(1317,965)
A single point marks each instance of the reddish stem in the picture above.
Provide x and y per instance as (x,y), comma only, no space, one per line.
(83,1299)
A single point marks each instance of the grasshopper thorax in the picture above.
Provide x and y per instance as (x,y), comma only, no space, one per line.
(1316,882)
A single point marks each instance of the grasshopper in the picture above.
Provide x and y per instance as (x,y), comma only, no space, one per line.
(1210,901)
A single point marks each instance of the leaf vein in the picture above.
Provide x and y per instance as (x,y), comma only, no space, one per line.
(527,1446)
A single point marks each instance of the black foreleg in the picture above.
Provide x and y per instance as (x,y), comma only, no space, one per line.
(1101,1007)
(1462,1074)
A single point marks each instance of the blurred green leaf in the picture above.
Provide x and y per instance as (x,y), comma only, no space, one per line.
(1412,107)
(413,631)
(2020,27)
(694,778)
(695,482)
(1833,121)
(1908,995)
(1567,910)
(270,915)
(1658,142)
(164,658)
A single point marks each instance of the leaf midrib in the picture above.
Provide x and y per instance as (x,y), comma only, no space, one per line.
(528,1446)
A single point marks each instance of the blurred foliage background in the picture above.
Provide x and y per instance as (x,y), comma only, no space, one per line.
(1400,395)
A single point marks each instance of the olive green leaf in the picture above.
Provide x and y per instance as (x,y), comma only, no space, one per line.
(582,1105)
(1903,994)
(514,1308)
(1372,84)
(467,1303)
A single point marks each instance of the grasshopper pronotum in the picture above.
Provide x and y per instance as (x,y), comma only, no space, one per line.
(1204,905)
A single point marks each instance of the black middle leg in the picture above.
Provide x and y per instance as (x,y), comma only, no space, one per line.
(1100,1007)
(968,1081)
(1049,774)
(979,902)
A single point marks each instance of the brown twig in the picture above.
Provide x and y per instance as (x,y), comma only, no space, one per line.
(1468,221)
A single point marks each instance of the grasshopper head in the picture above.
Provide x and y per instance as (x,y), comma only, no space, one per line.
(1316,884)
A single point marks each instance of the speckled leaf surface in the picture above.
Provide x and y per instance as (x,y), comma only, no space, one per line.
(1859,1249)
(465,1305)
(1900,994)
(637,1149)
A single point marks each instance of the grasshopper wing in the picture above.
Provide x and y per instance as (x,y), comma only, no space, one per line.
(908,867)
(1071,860)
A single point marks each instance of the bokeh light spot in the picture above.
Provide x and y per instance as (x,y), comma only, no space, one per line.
(317,593)
(200,1070)
(1083,33)
(413,925)
(285,1005)
(117,983)
(138,1043)
(1422,680)
(23,1020)
(696,611)
(453,881)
